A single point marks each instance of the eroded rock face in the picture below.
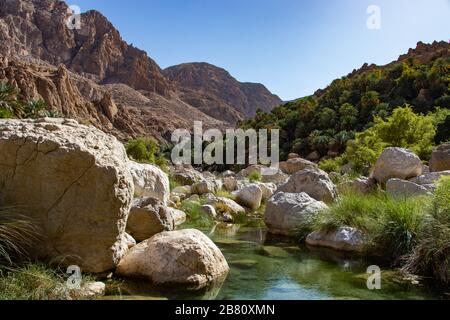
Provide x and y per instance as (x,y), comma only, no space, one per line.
(342,239)
(440,159)
(74,182)
(397,163)
(316,183)
(149,216)
(185,257)
(287,213)
(149,181)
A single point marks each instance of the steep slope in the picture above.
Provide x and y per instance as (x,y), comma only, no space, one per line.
(38,28)
(214,91)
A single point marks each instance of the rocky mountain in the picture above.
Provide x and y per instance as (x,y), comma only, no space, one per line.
(206,86)
(93,75)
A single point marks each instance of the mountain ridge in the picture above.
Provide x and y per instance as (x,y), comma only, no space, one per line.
(34,31)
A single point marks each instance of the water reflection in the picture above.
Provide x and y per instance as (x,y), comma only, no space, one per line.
(267,267)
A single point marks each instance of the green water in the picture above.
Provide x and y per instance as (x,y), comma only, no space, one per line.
(268,268)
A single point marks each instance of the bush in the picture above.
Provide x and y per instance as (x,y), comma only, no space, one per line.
(146,150)
(255,176)
(331,165)
(431,256)
(403,129)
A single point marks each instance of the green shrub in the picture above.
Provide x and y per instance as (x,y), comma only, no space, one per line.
(17,233)
(403,129)
(146,150)
(255,176)
(391,225)
(331,165)
(431,256)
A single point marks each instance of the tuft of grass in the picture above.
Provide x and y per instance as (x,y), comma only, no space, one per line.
(431,255)
(173,183)
(225,194)
(17,234)
(391,225)
(195,214)
(32,282)
(255,176)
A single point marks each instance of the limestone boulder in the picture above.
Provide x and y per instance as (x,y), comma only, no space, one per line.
(74,183)
(186,175)
(185,257)
(316,183)
(250,196)
(149,216)
(343,239)
(179,217)
(287,213)
(397,163)
(440,159)
(296,164)
(226,206)
(149,181)
(230,184)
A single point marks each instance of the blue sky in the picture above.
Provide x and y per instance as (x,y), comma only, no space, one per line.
(294,47)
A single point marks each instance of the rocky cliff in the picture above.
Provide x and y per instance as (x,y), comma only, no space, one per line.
(93,75)
(206,86)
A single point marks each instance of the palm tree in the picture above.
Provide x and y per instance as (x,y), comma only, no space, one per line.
(8,100)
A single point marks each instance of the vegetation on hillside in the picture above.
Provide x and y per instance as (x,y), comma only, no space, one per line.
(12,105)
(328,120)
(146,150)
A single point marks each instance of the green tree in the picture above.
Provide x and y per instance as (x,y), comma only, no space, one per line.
(403,129)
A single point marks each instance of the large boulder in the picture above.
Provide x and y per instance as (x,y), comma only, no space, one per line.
(268,189)
(250,196)
(185,257)
(316,183)
(343,239)
(226,206)
(398,188)
(397,163)
(149,181)
(296,164)
(440,159)
(149,216)
(205,186)
(277,177)
(73,181)
(287,213)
